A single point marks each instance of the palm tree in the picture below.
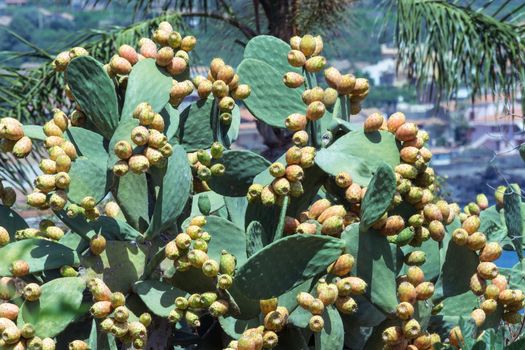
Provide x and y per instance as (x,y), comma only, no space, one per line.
(443,45)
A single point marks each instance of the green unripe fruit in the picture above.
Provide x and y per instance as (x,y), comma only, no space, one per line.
(137,330)
(242,92)
(473,209)
(296,58)
(392,335)
(192,319)
(171,251)
(281,186)
(227,263)
(351,285)
(217,170)
(197,258)
(224,281)
(307,45)
(119,329)
(63,163)
(48,344)
(226,104)
(121,314)
(268,196)
(316,323)
(138,164)
(31,292)
(121,168)
(293,155)
(206,299)
(333,226)
(48,166)
(220,89)
(145,319)
(34,343)
(117,299)
(183,241)
(346,85)
(307,157)
(254,192)
(216,150)
(68,271)
(11,335)
(210,268)
(411,329)
(293,80)
(404,310)
(415,258)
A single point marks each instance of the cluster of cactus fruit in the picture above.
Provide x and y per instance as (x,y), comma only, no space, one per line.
(344,242)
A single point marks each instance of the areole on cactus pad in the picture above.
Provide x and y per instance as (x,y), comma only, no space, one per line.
(344,242)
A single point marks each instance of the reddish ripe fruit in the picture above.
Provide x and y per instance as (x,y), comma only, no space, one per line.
(19,268)
(373,122)
(406,132)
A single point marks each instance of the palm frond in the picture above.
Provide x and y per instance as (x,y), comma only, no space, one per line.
(448,45)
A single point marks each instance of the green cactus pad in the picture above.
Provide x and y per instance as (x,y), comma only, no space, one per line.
(123,133)
(359,154)
(100,340)
(493,224)
(379,195)
(236,207)
(375,264)
(254,234)
(332,335)
(173,193)
(303,256)
(225,236)
(234,328)
(59,305)
(171,118)
(35,132)
(195,127)
(88,144)
(11,221)
(88,178)
(453,280)
(120,265)
(158,296)
(191,281)
(270,101)
(146,83)
(314,179)
(265,216)
(94,92)
(132,197)
(241,169)
(514,217)
(40,254)
(271,50)
(300,317)
(111,229)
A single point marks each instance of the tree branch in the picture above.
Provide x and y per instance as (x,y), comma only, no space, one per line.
(247,31)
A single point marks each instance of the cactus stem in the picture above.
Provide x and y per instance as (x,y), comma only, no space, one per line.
(282,218)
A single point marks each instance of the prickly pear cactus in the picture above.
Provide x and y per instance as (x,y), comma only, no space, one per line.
(157,235)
